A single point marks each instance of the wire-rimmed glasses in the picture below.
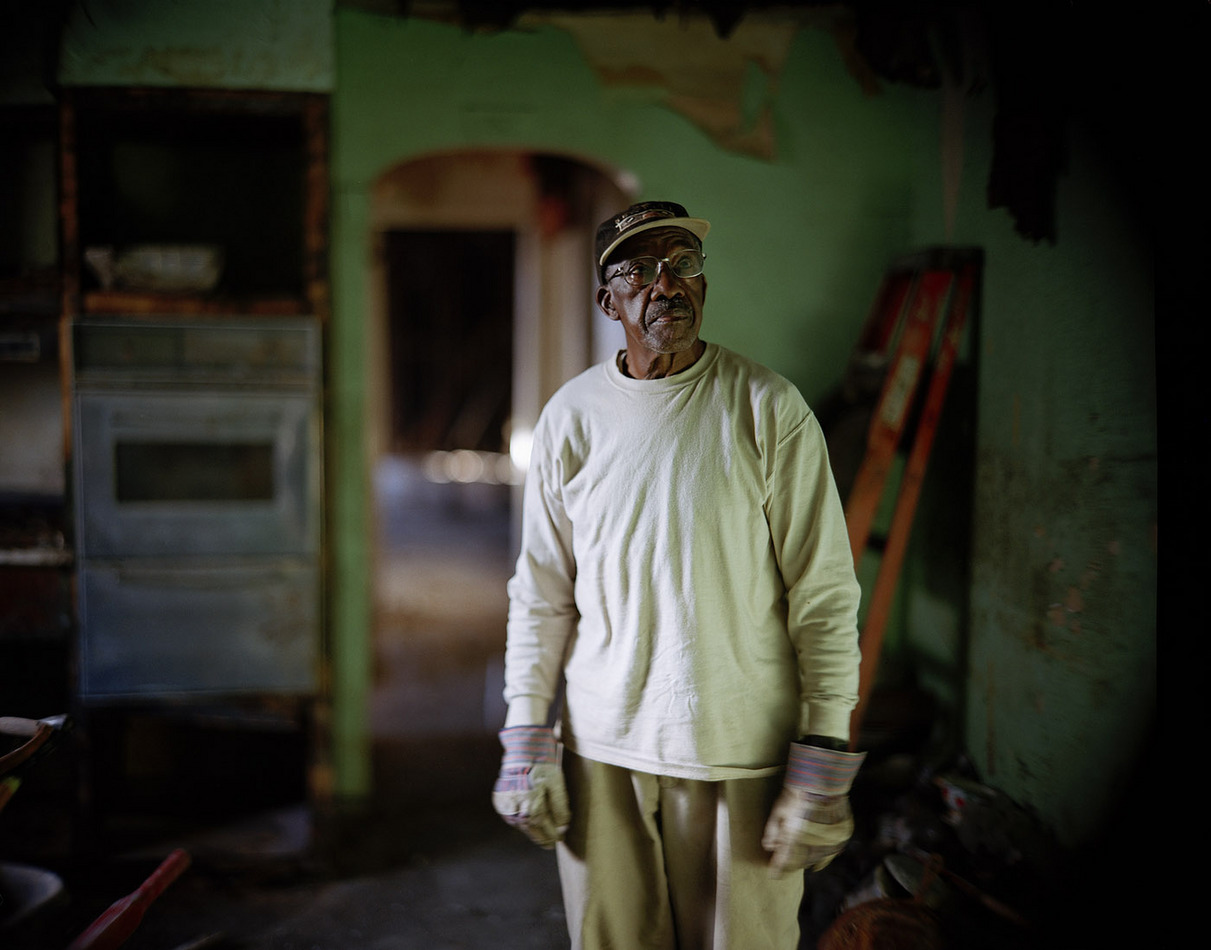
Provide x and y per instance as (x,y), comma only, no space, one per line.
(641,271)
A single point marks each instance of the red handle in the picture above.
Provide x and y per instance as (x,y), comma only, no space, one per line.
(169,870)
(114,927)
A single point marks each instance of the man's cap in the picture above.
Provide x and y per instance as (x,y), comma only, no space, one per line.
(643,217)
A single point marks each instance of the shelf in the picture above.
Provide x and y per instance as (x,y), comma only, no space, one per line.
(115,302)
(242,172)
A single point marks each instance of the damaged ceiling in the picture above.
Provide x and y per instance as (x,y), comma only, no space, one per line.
(1030,56)
(718,63)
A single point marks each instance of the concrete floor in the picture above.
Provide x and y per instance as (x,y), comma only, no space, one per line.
(442,878)
(410,876)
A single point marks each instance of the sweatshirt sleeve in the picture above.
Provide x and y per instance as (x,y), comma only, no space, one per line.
(811,543)
(542,604)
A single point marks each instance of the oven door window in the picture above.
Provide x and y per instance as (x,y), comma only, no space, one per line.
(193,471)
(197,474)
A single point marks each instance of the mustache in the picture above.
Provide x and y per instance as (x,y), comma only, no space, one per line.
(663,306)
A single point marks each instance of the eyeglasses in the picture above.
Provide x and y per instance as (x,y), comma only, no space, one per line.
(642,271)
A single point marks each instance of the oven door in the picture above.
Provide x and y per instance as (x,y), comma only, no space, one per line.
(225,628)
(172,473)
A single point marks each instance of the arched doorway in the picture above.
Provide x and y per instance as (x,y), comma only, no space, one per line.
(481,306)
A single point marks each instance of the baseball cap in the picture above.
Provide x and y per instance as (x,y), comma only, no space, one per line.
(643,217)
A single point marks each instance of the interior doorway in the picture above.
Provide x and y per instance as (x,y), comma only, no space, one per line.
(450,322)
(482,291)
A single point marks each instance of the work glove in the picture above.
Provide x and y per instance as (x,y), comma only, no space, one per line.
(530,793)
(811,821)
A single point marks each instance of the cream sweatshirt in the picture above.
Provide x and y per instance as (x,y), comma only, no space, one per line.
(685,569)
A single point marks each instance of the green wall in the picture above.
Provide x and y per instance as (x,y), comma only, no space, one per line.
(797,245)
(1062,662)
(1060,656)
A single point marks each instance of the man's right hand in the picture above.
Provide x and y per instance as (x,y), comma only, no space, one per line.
(530,793)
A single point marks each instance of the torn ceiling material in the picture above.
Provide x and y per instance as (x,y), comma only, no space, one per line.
(953,47)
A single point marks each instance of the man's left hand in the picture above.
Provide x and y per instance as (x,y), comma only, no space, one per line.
(811,821)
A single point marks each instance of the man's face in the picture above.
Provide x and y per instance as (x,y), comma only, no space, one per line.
(664,317)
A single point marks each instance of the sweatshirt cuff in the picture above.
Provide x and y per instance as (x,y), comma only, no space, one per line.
(824,719)
(527,711)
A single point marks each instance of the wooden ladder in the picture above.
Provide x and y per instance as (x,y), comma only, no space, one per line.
(915,328)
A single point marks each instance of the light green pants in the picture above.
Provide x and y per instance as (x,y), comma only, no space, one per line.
(657,863)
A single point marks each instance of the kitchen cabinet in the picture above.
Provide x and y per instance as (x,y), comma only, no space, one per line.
(194,244)
(194,261)
(204,214)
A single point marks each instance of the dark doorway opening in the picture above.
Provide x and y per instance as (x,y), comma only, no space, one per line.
(450,309)
(443,497)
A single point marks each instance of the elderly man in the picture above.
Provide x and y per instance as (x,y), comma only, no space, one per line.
(685,576)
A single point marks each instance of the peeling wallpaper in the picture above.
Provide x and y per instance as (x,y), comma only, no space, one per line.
(725,87)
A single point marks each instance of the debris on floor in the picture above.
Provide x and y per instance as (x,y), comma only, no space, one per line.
(942,861)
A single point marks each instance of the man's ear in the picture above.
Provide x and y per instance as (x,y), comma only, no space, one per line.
(605,302)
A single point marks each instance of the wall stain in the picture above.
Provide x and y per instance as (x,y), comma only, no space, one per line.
(1050,550)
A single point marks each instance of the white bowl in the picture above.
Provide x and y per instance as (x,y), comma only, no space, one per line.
(165,268)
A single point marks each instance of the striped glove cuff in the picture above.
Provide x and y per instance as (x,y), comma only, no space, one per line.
(526,746)
(821,771)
